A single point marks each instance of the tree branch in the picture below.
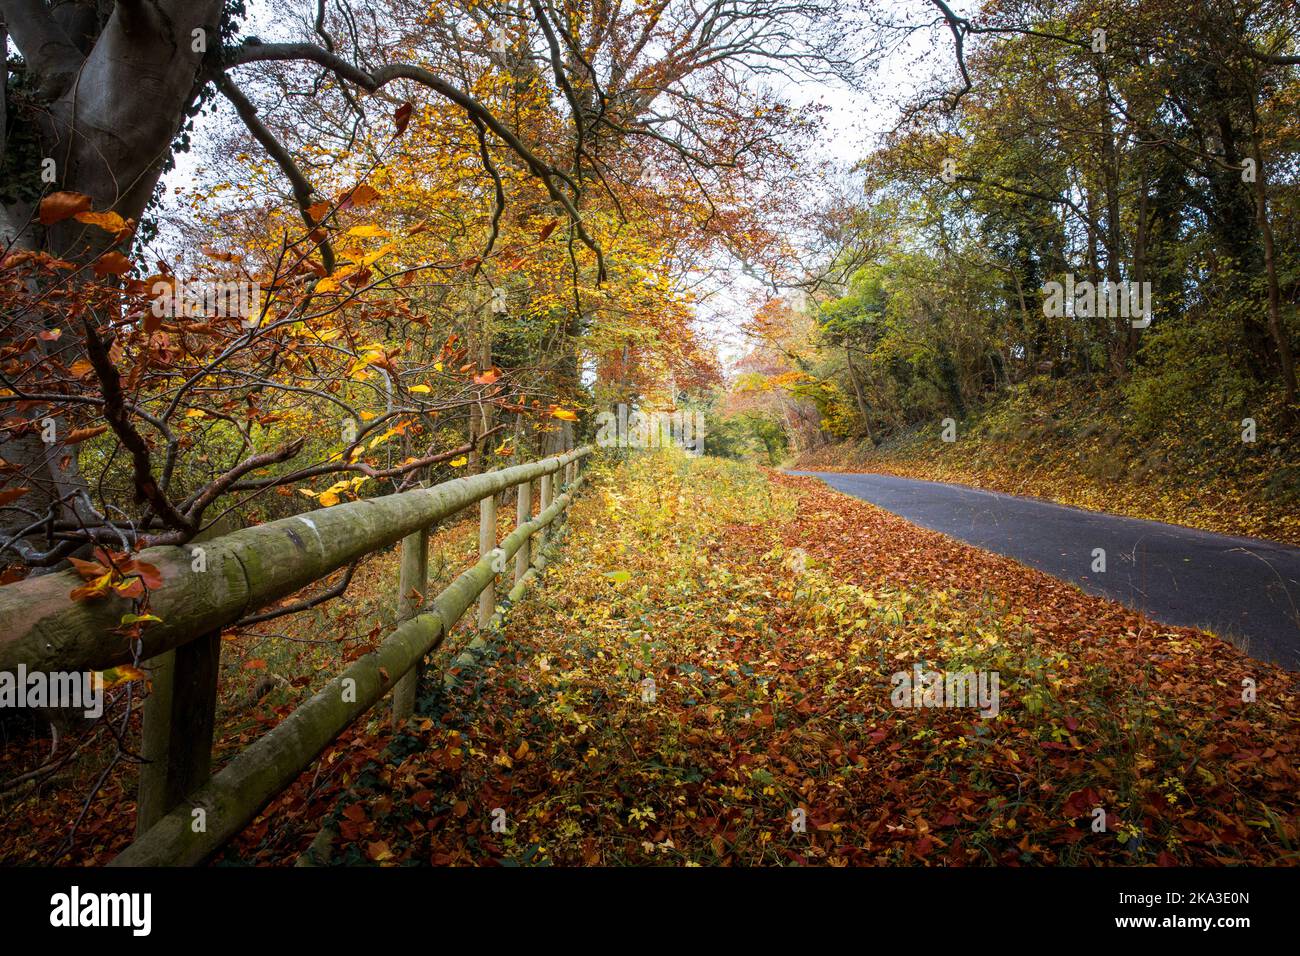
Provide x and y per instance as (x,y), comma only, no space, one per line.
(371,82)
(43,43)
(302,189)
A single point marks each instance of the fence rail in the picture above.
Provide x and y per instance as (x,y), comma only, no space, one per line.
(184,813)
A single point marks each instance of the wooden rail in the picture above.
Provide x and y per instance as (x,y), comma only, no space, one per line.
(184,813)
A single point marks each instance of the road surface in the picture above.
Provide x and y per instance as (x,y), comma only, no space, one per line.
(1243,589)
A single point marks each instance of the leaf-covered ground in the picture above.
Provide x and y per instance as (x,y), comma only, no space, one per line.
(1068,444)
(84,812)
(771,613)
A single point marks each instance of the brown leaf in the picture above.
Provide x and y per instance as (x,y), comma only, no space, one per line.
(12,494)
(112,263)
(402,116)
(59,206)
(81,434)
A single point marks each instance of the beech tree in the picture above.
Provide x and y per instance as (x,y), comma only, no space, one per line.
(589,103)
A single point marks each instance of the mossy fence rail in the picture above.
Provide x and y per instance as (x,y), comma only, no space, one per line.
(185,812)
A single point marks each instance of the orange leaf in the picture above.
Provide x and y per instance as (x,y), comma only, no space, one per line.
(148,573)
(89,570)
(95,589)
(112,263)
(359,196)
(81,434)
(12,494)
(220,256)
(130,588)
(108,221)
(487,378)
(59,206)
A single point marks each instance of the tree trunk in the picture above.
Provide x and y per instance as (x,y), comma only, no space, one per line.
(857,393)
(106,117)
(1275,327)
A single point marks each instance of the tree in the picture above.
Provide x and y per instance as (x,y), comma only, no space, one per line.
(662,125)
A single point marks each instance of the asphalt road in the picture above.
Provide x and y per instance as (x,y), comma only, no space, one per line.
(1242,588)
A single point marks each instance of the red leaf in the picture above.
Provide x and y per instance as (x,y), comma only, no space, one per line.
(13,494)
(402,116)
(149,574)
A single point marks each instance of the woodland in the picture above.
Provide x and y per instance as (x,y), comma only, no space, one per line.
(263,259)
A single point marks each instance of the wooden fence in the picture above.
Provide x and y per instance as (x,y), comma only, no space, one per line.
(184,812)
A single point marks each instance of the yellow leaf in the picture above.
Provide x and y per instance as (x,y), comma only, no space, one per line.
(420,389)
(334,281)
(378,254)
(108,221)
(124,674)
(460,462)
(368,232)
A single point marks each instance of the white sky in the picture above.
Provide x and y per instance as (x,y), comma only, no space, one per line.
(855,122)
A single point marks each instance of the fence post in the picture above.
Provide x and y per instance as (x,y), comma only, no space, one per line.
(487,542)
(179,715)
(523,514)
(412,582)
(544,504)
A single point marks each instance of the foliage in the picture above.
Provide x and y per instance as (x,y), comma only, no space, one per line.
(1083,446)
(771,636)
